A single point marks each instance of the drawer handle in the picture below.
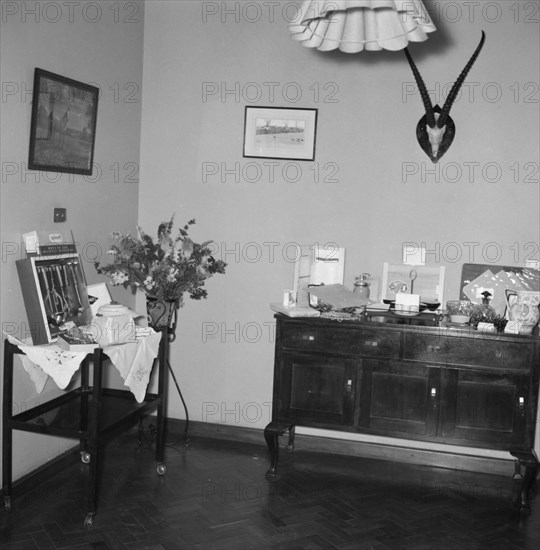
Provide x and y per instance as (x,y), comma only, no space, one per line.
(499,354)
(434,349)
(372,343)
(433,394)
(349,386)
(309,337)
(521,405)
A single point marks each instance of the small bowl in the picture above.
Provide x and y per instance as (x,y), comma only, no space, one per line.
(432,303)
(460,319)
(459,311)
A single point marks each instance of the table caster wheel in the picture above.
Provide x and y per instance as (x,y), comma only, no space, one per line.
(161,469)
(89,520)
(85,457)
(7,504)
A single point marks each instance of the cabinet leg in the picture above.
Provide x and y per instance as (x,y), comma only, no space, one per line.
(517,469)
(92,442)
(271,435)
(160,435)
(531,466)
(290,444)
(531,470)
(7,432)
(7,466)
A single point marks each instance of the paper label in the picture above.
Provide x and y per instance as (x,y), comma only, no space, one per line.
(31,242)
(56,238)
(289,298)
(512,327)
(407,302)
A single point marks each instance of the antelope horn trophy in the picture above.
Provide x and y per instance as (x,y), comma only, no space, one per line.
(436,129)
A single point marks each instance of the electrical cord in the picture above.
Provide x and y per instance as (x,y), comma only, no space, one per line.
(145,442)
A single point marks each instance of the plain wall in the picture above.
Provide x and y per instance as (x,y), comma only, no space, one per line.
(93,42)
(370,189)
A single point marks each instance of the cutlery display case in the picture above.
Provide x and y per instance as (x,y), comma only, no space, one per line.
(55,295)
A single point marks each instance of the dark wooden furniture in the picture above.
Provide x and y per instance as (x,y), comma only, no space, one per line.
(426,383)
(90,413)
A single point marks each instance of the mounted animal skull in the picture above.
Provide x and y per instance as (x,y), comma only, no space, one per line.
(436,129)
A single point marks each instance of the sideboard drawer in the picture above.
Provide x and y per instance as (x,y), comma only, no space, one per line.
(377,343)
(472,351)
(365,342)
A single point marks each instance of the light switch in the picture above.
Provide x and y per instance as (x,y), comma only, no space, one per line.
(60,215)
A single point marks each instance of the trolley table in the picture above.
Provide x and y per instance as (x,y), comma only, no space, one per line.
(90,413)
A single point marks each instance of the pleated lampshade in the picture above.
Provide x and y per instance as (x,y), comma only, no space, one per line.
(357,25)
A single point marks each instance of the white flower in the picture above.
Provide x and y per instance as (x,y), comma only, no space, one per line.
(149,283)
(185,246)
(118,278)
(171,277)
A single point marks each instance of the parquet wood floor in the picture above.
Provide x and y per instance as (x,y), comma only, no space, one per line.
(215,496)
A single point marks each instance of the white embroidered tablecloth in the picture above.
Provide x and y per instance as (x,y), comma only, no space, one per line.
(133,361)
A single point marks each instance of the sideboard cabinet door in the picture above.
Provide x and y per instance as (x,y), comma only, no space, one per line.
(399,399)
(485,409)
(317,390)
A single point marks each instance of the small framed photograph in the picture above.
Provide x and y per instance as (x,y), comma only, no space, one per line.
(280,133)
(63,125)
(427,281)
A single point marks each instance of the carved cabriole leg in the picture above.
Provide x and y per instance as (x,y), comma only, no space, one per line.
(531,465)
(531,470)
(517,469)
(290,445)
(271,435)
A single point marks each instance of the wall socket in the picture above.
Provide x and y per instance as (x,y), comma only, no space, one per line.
(60,215)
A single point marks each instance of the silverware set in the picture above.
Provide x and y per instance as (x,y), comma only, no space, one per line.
(59,284)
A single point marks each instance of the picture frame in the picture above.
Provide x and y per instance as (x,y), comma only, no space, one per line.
(280,133)
(63,124)
(427,281)
(316,265)
(302,272)
(496,279)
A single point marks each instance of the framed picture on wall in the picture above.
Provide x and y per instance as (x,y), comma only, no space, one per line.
(280,133)
(63,124)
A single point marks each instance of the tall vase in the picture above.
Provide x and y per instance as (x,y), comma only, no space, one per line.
(163,314)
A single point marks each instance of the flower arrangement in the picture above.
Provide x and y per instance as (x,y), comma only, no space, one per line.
(165,269)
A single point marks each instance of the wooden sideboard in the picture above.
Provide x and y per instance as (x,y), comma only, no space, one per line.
(426,383)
